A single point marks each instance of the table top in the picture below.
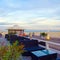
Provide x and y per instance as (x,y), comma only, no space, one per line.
(40,53)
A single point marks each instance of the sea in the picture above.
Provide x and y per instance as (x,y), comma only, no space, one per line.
(42,30)
(30,30)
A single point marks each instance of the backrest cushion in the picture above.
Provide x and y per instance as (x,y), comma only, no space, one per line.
(30,43)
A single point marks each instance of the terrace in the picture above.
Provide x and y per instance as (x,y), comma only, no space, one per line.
(34,44)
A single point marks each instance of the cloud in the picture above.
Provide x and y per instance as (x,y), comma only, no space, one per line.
(30,14)
(28,20)
(2,20)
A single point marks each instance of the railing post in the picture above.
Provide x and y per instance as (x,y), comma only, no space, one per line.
(30,35)
(47,46)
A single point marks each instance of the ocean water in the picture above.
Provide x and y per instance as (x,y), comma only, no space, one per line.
(26,30)
(42,30)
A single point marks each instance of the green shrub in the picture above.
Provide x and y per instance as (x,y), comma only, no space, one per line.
(43,34)
(11,52)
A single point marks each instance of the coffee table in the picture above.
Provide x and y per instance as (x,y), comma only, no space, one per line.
(43,55)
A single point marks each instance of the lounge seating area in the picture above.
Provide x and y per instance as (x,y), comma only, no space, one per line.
(31,46)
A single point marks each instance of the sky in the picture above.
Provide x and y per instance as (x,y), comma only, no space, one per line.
(30,14)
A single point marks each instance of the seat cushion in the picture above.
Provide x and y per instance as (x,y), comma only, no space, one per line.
(33,48)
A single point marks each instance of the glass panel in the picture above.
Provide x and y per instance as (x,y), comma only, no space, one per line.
(43,52)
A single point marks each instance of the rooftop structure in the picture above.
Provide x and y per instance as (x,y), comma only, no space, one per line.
(15,29)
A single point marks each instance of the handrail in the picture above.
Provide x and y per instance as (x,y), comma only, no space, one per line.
(47,41)
(47,44)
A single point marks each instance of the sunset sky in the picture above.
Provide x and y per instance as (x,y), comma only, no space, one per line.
(30,14)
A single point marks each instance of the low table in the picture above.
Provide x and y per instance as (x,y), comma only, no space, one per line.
(44,55)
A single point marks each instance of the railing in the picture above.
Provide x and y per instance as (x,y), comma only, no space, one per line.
(47,44)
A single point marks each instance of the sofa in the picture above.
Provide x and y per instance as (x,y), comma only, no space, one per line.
(30,45)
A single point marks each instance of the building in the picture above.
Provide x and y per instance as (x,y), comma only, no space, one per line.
(15,30)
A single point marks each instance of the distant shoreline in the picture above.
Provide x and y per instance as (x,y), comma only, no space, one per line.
(37,32)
